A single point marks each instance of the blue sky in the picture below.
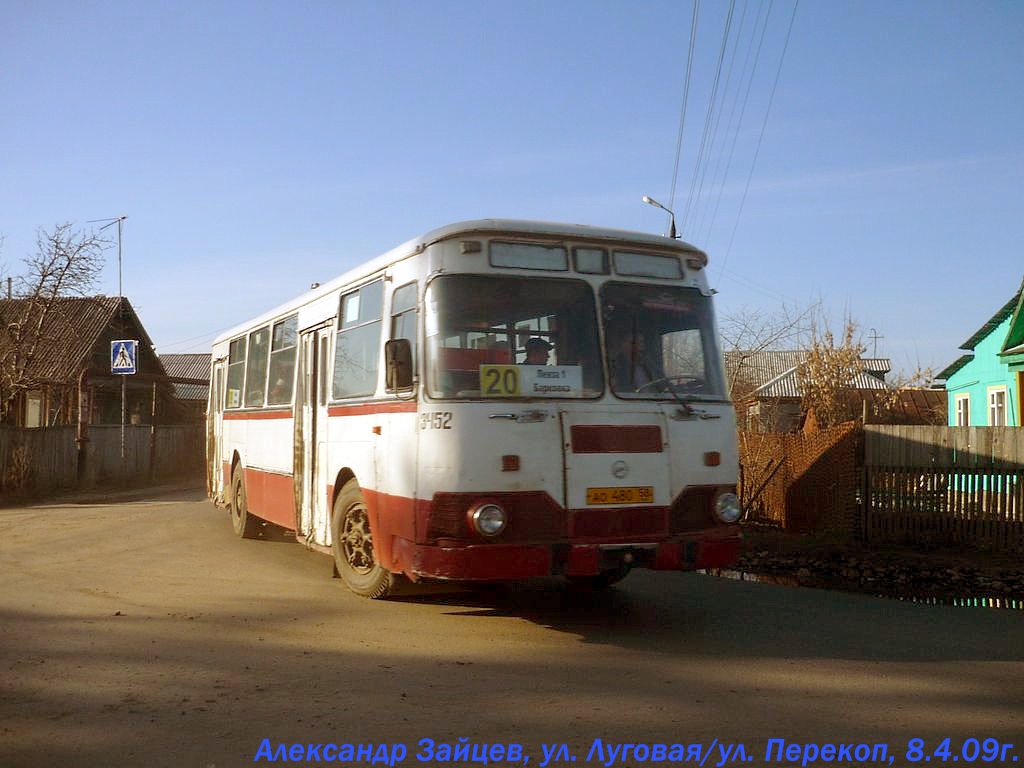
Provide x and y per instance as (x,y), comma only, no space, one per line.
(258,147)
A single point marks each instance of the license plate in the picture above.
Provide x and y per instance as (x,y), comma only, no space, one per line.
(640,494)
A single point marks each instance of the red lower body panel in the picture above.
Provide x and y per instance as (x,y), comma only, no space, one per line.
(493,562)
(271,497)
(706,551)
(501,562)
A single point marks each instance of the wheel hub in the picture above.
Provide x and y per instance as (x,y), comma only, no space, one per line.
(356,540)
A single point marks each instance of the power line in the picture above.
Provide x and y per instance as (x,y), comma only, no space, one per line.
(748,73)
(757,287)
(703,207)
(760,138)
(707,119)
(686,99)
(209,335)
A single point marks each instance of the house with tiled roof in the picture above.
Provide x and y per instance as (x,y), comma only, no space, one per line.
(765,386)
(984,385)
(55,364)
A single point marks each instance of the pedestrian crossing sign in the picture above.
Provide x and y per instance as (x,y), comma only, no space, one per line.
(123,356)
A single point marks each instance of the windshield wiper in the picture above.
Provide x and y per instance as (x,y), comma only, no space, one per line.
(687,410)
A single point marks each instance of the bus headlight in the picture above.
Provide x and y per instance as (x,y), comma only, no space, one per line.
(727,507)
(488,519)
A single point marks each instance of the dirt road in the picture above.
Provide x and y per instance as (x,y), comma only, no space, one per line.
(145,634)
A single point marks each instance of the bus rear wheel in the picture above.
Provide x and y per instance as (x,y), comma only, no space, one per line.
(245,525)
(352,545)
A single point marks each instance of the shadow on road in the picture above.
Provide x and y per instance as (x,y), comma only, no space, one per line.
(151,635)
(691,614)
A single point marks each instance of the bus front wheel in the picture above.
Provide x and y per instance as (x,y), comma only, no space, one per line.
(352,545)
(245,525)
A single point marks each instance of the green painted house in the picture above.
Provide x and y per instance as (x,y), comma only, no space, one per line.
(985,385)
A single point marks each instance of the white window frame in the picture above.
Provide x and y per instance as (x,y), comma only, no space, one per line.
(997,416)
(963,410)
(34,409)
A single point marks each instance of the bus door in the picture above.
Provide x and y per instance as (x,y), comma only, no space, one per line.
(615,458)
(313,516)
(215,433)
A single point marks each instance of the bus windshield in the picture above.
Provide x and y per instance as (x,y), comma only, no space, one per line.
(511,337)
(660,342)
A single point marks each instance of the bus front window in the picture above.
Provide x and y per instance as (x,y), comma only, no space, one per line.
(480,330)
(661,342)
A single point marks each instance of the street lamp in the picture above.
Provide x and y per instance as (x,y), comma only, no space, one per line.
(672,216)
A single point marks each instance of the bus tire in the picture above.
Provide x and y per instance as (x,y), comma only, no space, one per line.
(245,525)
(352,545)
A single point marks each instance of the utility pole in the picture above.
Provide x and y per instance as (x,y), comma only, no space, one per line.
(120,309)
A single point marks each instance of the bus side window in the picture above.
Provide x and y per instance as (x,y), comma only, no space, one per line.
(256,367)
(403,320)
(357,347)
(236,372)
(282,361)
(403,317)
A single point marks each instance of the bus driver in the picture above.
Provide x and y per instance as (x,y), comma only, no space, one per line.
(537,351)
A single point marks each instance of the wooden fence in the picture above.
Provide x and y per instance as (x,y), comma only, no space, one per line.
(37,458)
(944,486)
(40,461)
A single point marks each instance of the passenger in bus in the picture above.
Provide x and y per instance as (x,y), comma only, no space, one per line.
(279,393)
(537,351)
(632,371)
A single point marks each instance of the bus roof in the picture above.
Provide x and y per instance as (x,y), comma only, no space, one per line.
(553,229)
(489,227)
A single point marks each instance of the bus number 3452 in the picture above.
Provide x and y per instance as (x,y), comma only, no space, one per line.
(436,420)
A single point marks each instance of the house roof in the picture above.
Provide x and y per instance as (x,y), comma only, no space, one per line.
(788,385)
(1014,336)
(1013,344)
(759,368)
(189,366)
(71,330)
(953,367)
(1004,312)
(773,373)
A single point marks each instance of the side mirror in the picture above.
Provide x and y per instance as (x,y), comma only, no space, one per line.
(398,362)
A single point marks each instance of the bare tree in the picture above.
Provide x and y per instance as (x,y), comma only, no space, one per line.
(757,330)
(67,262)
(749,332)
(746,335)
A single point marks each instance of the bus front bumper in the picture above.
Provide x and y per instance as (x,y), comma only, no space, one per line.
(718,548)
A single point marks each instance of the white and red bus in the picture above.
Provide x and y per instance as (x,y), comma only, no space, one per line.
(495,400)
